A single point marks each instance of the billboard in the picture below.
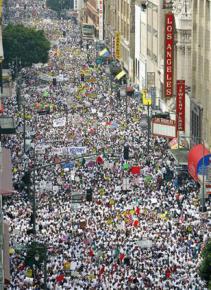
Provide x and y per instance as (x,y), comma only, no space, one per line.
(117,45)
(164,127)
(180,105)
(100,6)
(169,54)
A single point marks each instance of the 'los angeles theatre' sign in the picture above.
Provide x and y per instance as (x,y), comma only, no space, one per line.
(169,55)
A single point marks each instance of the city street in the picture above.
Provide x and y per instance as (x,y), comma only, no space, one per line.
(105,204)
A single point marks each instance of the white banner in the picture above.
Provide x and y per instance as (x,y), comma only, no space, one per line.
(75,150)
(59,122)
(69,150)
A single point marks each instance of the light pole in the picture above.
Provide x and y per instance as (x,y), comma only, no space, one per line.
(123,94)
(148,127)
(36,255)
(147,102)
(108,72)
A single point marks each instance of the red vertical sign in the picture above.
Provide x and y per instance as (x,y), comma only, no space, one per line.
(169,53)
(180,105)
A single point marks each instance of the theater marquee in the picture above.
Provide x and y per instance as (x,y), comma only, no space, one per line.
(169,54)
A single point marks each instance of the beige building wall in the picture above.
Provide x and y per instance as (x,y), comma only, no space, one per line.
(201,65)
(120,17)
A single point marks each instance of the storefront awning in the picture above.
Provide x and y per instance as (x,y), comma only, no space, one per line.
(180,155)
(104,53)
(120,75)
(6,186)
(198,156)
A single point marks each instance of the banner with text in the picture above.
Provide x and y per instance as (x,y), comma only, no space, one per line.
(60,122)
(169,56)
(117,46)
(180,105)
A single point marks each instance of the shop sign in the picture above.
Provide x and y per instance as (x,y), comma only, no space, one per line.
(117,45)
(180,105)
(169,53)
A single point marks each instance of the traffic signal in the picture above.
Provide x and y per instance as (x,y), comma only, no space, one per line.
(54,81)
(126,152)
(89,194)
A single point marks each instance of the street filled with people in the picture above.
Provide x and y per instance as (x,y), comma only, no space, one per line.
(112,209)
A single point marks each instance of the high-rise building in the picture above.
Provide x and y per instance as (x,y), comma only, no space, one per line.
(120,18)
(149,48)
(201,71)
(91,15)
(182,10)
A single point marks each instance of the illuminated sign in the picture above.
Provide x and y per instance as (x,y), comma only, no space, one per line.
(169,53)
(117,45)
(180,105)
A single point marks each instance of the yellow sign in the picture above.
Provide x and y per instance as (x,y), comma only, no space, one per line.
(117,46)
(120,75)
(147,101)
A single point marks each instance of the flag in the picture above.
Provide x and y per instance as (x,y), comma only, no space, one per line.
(60,278)
(125,166)
(136,223)
(135,170)
(1,107)
(99,160)
(104,53)
(120,75)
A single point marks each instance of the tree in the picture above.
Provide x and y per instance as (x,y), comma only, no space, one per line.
(24,44)
(205,267)
(59,5)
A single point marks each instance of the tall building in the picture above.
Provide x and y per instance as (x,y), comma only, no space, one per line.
(91,14)
(120,18)
(149,48)
(201,71)
(182,10)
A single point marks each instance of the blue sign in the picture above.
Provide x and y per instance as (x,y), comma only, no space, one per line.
(206,160)
(68,165)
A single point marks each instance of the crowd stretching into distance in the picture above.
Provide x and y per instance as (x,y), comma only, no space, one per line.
(96,244)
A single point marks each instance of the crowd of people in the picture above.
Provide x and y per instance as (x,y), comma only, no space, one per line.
(136,224)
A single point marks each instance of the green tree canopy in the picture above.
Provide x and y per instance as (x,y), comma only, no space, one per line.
(205,267)
(59,5)
(25,44)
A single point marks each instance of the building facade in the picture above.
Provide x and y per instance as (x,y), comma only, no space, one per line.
(91,15)
(120,18)
(78,5)
(149,48)
(182,53)
(201,71)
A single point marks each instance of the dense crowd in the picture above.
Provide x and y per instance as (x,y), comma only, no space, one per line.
(141,230)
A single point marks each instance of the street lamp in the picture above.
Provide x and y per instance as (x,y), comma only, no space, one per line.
(123,94)
(35,256)
(148,125)
(108,72)
(147,102)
